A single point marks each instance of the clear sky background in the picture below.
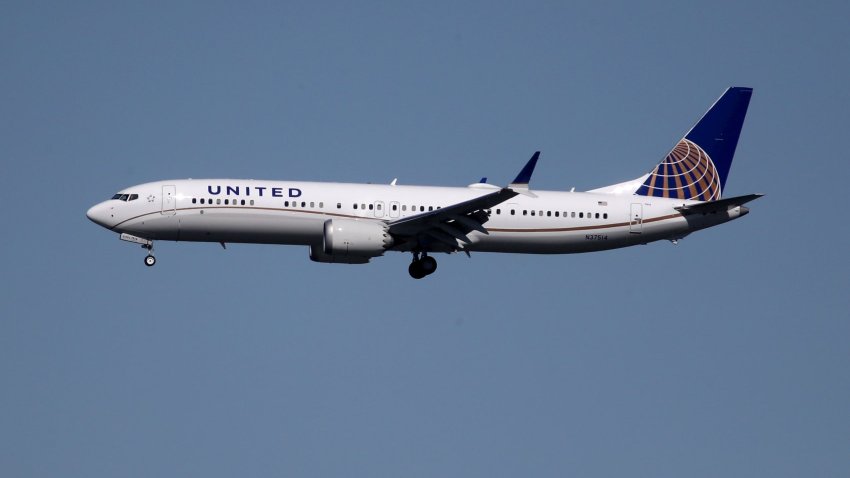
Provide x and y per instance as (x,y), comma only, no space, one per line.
(726,355)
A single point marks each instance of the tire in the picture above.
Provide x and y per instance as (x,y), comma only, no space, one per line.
(428,265)
(150,261)
(415,270)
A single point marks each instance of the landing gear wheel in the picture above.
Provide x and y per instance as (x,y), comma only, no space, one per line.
(150,260)
(415,270)
(428,264)
(422,266)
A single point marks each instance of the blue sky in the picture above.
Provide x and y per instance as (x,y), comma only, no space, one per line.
(725,355)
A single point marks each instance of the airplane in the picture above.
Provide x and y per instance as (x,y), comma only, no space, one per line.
(354,223)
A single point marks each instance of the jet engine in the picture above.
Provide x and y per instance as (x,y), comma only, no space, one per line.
(350,241)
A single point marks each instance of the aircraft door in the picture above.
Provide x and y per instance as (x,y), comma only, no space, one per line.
(636,219)
(394,208)
(169,201)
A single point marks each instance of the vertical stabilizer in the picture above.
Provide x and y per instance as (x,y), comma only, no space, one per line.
(699,164)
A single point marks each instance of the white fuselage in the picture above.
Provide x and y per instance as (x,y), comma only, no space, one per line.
(292,212)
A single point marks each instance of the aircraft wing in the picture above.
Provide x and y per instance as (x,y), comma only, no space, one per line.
(717,206)
(447,228)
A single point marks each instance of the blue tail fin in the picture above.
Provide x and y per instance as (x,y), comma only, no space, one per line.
(698,165)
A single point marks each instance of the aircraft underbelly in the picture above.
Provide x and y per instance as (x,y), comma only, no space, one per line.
(551,243)
(260,228)
(588,240)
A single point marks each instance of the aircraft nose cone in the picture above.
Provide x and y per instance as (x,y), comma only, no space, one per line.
(98,215)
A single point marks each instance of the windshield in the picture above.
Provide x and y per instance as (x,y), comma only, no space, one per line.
(125,197)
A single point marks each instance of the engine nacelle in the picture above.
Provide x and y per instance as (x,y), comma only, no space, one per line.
(353,238)
(318,255)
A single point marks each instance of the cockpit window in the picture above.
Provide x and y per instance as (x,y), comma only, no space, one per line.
(125,197)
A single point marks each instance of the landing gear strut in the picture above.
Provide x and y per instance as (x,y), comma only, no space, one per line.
(150,260)
(422,265)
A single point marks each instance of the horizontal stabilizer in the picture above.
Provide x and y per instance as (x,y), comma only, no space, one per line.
(717,206)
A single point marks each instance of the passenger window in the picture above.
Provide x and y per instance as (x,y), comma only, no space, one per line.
(597,215)
(218,201)
(321,205)
(339,205)
(194,200)
(548,213)
(573,214)
(532,212)
(421,208)
(395,208)
(303,203)
(252,202)
(202,200)
(312,204)
(226,202)
(581,214)
(556,213)
(362,206)
(404,207)
(371,206)
(355,206)
(605,216)
(525,212)
(430,208)
(243,202)
(379,207)
(498,211)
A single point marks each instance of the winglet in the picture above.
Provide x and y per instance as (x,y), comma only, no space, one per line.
(520,184)
(525,175)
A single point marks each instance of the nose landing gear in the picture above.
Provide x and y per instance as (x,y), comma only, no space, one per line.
(150,260)
(422,266)
(146,244)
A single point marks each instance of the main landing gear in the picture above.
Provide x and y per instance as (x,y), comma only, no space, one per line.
(422,265)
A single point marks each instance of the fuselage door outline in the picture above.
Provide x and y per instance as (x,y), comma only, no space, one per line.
(636,219)
(169,200)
